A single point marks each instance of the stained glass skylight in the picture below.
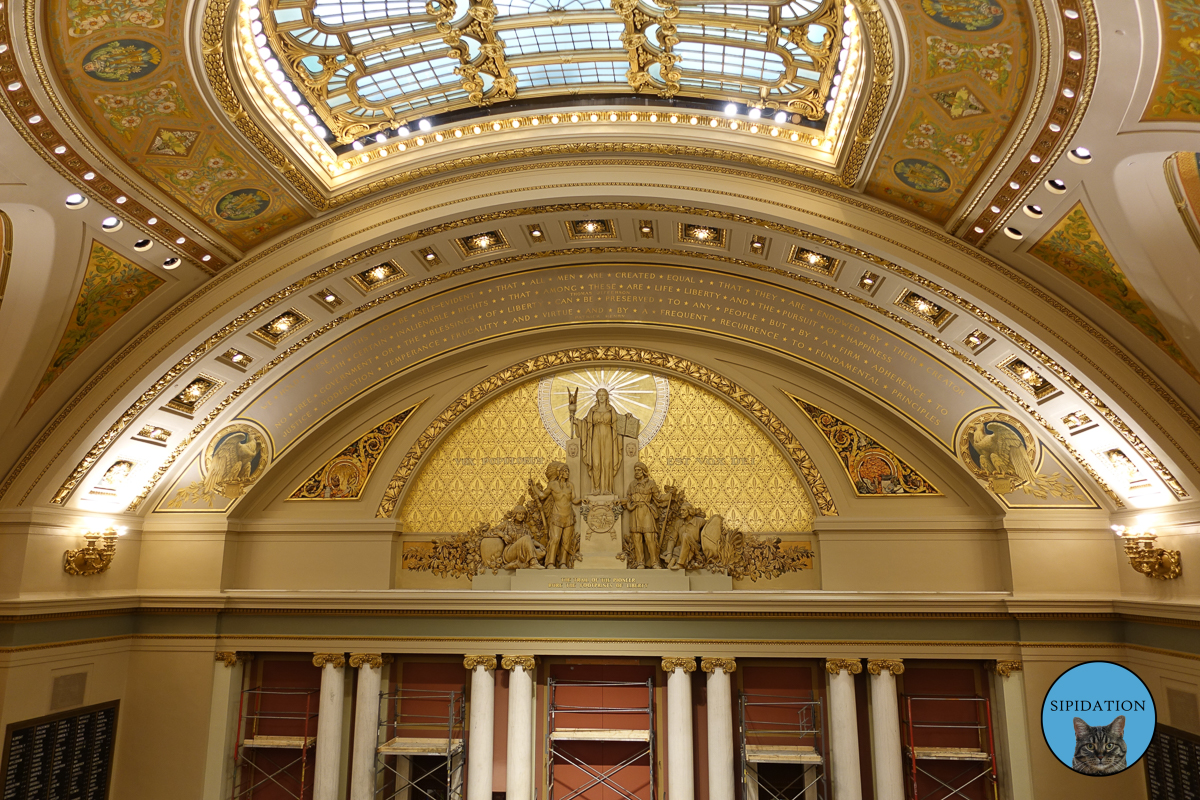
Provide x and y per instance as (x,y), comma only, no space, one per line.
(370,65)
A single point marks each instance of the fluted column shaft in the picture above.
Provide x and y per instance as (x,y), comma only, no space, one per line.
(520,726)
(329,725)
(720,727)
(885,729)
(680,782)
(483,711)
(843,729)
(366,725)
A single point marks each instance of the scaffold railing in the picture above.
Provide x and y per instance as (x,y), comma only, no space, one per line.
(277,730)
(941,731)
(422,745)
(783,747)
(564,737)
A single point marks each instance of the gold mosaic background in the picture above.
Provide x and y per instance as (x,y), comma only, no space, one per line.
(706,445)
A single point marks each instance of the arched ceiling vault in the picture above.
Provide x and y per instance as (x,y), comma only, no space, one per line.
(859,212)
(794,288)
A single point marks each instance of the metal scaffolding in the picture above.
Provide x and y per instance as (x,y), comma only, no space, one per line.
(424,748)
(562,742)
(783,747)
(933,745)
(277,729)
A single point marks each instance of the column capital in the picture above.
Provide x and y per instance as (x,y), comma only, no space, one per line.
(335,660)
(360,660)
(1006,668)
(672,663)
(834,666)
(487,662)
(510,663)
(230,658)
(875,666)
(711,664)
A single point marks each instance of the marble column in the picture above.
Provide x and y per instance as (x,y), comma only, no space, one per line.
(843,728)
(366,725)
(483,712)
(329,725)
(1012,731)
(885,728)
(228,670)
(720,727)
(520,726)
(680,780)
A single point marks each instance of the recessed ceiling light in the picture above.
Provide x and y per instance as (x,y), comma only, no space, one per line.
(1056,186)
(1034,211)
(781,117)
(172,263)
(424,125)
(1013,233)
(1080,155)
(1070,13)
(731,109)
(111,224)
(142,245)
(76,201)
(58,151)
(152,221)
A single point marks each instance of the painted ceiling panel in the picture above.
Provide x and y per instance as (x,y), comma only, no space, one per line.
(122,64)
(970,68)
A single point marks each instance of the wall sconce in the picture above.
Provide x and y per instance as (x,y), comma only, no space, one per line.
(92,559)
(1151,561)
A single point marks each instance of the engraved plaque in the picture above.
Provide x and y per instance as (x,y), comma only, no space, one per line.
(65,756)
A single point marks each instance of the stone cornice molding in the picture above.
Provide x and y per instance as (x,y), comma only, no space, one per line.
(834,666)
(487,662)
(672,663)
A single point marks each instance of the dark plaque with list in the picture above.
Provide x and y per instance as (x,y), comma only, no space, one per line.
(1173,765)
(65,756)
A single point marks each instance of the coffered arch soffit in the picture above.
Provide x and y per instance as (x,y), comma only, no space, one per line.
(893,306)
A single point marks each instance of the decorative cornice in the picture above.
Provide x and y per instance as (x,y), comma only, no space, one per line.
(834,666)
(875,666)
(375,660)
(672,663)
(487,662)
(229,658)
(709,664)
(335,660)
(526,663)
(1006,668)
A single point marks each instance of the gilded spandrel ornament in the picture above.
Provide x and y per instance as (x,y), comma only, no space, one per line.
(1001,451)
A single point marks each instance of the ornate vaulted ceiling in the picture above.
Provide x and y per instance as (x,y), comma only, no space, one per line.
(330,227)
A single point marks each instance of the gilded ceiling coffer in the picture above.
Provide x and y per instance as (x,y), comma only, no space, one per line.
(1151,561)
(96,555)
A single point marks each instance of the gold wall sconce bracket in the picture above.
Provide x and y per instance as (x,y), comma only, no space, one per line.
(1151,561)
(97,553)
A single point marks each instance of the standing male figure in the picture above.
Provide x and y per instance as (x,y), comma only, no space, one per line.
(644,503)
(556,499)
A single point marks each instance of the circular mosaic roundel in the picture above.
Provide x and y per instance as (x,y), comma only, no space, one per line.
(922,175)
(122,60)
(964,15)
(243,204)
(641,394)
